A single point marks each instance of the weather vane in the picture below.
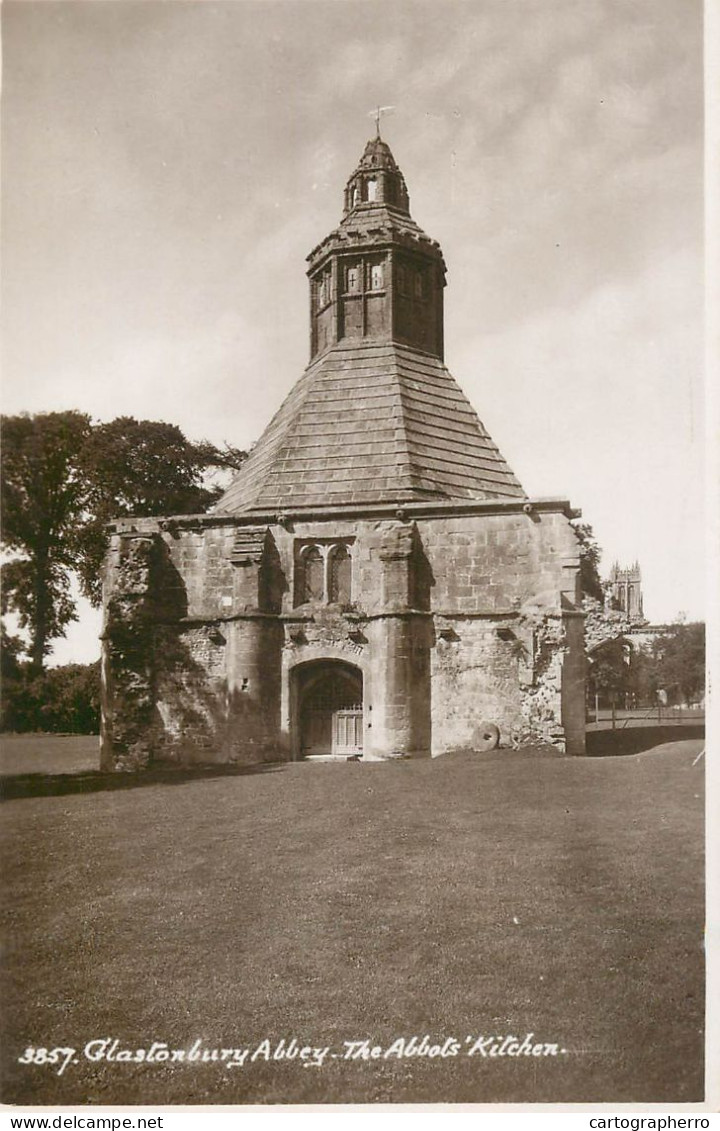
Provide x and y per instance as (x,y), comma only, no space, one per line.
(377,114)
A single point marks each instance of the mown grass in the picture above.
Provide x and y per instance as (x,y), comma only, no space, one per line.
(512,893)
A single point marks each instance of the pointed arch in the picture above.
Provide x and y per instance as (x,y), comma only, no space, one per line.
(340,575)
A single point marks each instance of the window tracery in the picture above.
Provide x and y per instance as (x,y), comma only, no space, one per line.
(323,573)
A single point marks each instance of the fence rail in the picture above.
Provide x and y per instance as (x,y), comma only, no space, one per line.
(653,716)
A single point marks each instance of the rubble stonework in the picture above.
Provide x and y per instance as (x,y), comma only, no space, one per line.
(375,583)
(128,654)
(604,623)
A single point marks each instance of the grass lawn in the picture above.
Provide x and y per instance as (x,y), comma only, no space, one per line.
(510,893)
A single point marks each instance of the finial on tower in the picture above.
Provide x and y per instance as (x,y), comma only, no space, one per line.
(377,114)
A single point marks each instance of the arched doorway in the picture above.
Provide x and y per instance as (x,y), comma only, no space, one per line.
(329,710)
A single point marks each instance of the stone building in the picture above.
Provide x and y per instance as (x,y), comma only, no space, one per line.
(375,582)
(624,591)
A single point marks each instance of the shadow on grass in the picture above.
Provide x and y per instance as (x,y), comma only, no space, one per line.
(16,786)
(632,740)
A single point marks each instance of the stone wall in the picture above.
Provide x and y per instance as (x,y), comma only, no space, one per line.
(455,619)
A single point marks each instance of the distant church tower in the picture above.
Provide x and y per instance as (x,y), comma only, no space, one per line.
(625,589)
(375,583)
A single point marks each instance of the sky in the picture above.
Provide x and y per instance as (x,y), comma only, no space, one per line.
(167,167)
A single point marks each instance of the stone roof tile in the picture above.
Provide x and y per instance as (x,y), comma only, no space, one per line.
(372,423)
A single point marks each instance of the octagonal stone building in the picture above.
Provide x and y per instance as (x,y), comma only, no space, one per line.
(375,583)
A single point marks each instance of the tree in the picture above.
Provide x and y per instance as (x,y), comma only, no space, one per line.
(63,480)
(610,670)
(143,468)
(44,497)
(590,554)
(621,673)
(64,699)
(679,662)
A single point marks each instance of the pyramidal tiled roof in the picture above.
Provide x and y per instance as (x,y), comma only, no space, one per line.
(371,423)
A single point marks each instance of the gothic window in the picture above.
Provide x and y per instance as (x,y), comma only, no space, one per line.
(323,573)
(371,189)
(352,280)
(354,196)
(323,290)
(376,277)
(340,576)
(312,586)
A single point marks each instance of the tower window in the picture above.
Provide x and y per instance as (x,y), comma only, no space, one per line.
(402,280)
(419,285)
(371,185)
(352,280)
(376,277)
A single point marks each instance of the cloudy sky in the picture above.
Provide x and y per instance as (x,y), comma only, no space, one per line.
(168,166)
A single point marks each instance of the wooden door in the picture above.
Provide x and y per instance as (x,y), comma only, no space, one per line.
(348,731)
(331,714)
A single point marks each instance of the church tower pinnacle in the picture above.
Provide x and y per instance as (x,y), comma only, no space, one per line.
(377,276)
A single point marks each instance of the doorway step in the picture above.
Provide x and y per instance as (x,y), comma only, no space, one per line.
(332,758)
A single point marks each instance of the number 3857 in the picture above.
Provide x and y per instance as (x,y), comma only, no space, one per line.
(59,1056)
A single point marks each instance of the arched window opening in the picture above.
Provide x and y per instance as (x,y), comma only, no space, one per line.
(376,277)
(313,587)
(323,573)
(340,578)
(371,186)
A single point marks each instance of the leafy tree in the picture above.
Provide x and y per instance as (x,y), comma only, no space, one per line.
(679,662)
(143,468)
(44,496)
(610,670)
(71,699)
(64,699)
(674,662)
(63,479)
(590,554)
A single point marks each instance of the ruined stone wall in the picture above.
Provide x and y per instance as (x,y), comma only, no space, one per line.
(127,669)
(455,620)
(182,618)
(503,644)
(503,588)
